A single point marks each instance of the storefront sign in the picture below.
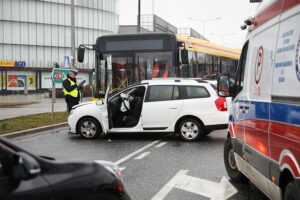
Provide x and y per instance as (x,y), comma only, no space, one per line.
(20,64)
(10,63)
(7,63)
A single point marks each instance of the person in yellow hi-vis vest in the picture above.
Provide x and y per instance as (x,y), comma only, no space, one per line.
(71,89)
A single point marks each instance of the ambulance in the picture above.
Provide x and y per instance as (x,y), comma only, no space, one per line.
(263,143)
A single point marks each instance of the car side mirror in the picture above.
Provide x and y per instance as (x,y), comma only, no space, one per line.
(80,54)
(26,167)
(99,102)
(184,57)
(223,86)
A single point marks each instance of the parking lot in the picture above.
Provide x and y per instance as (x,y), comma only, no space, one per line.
(154,166)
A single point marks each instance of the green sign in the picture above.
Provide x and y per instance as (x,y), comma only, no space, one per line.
(59,75)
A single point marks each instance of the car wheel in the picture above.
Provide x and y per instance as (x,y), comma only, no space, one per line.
(230,163)
(291,192)
(89,128)
(190,130)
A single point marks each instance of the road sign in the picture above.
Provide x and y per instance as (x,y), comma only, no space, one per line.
(59,75)
(206,188)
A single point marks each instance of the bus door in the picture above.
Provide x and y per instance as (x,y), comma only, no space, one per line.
(119,70)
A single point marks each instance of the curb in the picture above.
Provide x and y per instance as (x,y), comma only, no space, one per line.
(33,130)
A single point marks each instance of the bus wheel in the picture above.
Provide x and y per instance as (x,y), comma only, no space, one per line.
(291,192)
(230,163)
(89,128)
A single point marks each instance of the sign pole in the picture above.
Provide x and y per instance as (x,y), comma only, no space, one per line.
(53,100)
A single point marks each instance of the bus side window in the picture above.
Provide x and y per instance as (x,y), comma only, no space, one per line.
(241,70)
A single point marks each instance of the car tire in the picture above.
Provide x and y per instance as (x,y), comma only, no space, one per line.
(89,128)
(291,192)
(190,130)
(230,164)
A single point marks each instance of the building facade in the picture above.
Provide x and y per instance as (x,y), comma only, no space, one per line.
(190,32)
(35,36)
(154,23)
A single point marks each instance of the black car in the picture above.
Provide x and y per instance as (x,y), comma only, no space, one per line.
(24,176)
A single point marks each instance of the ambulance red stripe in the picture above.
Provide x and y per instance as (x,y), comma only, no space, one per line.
(274,10)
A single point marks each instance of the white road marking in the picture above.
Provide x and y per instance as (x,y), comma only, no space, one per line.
(122,168)
(210,189)
(124,159)
(160,144)
(142,155)
(213,190)
(169,186)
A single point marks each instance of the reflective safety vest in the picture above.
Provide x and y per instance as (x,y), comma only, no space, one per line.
(73,93)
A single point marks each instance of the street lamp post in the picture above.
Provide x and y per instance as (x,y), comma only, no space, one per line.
(73,33)
(203,23)
(223,35)
(139,17)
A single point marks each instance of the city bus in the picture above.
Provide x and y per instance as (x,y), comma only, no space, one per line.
(122,60)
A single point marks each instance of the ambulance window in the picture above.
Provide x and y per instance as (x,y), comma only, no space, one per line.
(241,68)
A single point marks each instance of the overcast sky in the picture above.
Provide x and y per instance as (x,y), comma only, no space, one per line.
(177,12)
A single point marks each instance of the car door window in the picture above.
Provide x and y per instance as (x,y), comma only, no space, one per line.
(241,70)
(196,92)
(176,94)
(5,162)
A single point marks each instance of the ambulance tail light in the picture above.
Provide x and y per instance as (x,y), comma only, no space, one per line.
(221,104)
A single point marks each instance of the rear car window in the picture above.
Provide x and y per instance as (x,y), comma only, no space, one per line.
(163,93)
(196,92)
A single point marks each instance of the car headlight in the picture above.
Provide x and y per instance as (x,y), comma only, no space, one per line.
(113,168)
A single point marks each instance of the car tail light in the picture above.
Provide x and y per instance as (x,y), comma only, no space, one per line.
(221,104)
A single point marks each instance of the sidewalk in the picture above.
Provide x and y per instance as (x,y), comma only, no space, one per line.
(43,106)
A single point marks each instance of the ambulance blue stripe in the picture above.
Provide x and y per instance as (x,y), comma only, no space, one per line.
(285,113)
(279,112)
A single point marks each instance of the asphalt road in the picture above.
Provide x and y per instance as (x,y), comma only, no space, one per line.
(151,162)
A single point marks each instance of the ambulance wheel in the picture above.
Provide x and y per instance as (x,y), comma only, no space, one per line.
(230,163)
(89,128)
(291,192)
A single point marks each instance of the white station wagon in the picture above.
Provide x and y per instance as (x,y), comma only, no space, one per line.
(190,108)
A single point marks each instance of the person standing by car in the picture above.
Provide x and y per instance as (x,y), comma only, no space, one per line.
(71,89)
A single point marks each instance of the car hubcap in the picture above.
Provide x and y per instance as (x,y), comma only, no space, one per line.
(189,130)
(88,129)
(231,159)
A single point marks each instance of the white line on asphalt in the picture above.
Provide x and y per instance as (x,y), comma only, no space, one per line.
(142,155)
(160,144)
(122,168)
(169,186)
(124,159)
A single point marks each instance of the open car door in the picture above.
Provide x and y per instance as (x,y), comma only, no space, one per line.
(105,116)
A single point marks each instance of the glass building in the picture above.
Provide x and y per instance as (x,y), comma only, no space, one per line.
(35,36)
(38,32)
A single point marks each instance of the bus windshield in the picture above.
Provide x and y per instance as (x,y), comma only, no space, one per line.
(123,70)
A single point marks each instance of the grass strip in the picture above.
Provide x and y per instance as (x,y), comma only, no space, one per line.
(31,121)
(8,105)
